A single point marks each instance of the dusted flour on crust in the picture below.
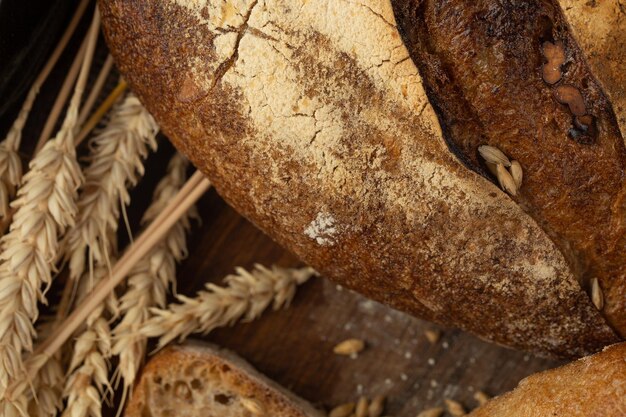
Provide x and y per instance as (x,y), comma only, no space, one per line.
(295,108)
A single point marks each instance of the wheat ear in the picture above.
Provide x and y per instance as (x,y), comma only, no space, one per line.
(45,396)
(245,297)
(150,278)
(116,163)
(45,206)
(88,374)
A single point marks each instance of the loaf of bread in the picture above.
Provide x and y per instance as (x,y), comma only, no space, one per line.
(592,386)
(349,131)
(201,380)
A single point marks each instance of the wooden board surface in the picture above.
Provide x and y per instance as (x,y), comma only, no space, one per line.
(294,346)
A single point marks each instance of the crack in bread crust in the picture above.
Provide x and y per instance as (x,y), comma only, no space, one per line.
(322,135)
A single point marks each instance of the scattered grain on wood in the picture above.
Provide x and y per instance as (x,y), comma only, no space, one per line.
(349,347)
(343,410)
(377,406)
(454,408)
(431,412)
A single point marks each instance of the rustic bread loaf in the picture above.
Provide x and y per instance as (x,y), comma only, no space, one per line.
(198,379)
(592,386)
(312,119)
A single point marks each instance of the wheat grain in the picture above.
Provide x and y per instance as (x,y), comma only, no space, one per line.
(362,407)
(149,280)
(349,347)
(517,173)
(343,410)
(506,180)
(454,408)
(431,412)
(116,163)
(44,208)
(596,294)
(493,155)
(481,397)
(245,297)
(433,336)
(377,406)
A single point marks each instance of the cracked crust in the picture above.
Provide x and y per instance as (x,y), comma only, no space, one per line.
(311,120)
(594,386)
(200,379)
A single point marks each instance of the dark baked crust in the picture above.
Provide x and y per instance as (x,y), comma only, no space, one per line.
(340,158)
(482,64)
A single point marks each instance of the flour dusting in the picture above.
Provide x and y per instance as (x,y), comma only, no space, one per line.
(322,229)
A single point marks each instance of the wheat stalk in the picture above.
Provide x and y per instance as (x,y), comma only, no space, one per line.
(149,280)
(45,206)
(245,297)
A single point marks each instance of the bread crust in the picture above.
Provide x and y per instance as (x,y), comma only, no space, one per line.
(320,133)
(206,361)
(594,386)
(482,63)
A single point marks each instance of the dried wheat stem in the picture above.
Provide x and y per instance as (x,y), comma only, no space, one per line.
(61,98)
(245,297)
(100,112)
(177,207)
(44,208)
(149,280)
(116,163)
(98,85)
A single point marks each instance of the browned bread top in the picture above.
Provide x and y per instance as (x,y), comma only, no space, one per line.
(594,386)
(311,119)
(199,380)
(489,71)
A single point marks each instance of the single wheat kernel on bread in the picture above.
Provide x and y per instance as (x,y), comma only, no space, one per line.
(507,183)
(517,173)
(596,294)
(349,347)
(200,380)
(493,155)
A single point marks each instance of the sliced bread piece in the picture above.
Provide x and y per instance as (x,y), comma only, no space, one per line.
(202,380)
